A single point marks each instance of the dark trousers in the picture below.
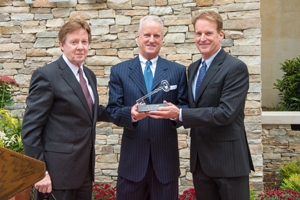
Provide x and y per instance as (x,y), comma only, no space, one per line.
(220,188)
(84,192)
(149,188)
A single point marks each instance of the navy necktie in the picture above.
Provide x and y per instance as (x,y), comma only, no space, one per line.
(201,75)
(148,77)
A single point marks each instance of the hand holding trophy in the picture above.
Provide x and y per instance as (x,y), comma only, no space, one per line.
(142,107)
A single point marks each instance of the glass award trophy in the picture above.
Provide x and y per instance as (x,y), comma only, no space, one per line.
(143,107)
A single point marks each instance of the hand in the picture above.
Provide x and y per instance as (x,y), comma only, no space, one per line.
(169,112)
(44,185)
(137,115)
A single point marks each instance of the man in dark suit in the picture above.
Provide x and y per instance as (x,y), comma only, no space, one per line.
(60,118)
(149,158)
(220,156)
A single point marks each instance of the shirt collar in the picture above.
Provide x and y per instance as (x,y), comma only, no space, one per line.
(71,66)
(210,59)
(143,60)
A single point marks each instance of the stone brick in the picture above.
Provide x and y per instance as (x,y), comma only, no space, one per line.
(175,38)
(124,44)
(204,2)
(9,47)
(44,43)
(91,6)
(123,20)
(4,30)
(221,2)
(61,12)
(99,30)
(177,20)
(239,7)
(160,10)
(245,50)
(125,54)
(102,60)
(161,2)
(43,4)
(84,14)
(234,34)
(11,9)
(69,4)
(175,57)
(107,14)
(119,4)
(43,16)
(241,24)
(22,16)
(244,15)
(143,2)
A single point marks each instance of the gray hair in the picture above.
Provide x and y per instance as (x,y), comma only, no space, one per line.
(152,18)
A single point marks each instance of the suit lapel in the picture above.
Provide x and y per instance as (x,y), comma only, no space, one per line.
(136,75)
(192,73)
(94,89)
(211,72)
(160,73)
(71,80)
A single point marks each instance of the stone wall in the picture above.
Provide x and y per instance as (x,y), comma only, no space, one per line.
(280,144)
(29,40)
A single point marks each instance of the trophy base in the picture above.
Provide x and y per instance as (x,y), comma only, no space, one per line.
(150,107)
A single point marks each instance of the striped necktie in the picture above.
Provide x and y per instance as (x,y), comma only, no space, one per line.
(201,75)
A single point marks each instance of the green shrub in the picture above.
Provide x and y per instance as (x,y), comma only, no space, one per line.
(288,169)
(252,194)
(292,183)
(288,87)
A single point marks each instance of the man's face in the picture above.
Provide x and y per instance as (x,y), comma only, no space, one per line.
(150,39)
(76,46)
(207,38)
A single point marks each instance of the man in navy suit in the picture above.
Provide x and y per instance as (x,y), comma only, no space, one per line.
(59,123)
(220,156)
(149,158)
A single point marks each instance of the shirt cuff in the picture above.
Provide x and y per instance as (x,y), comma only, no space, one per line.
(180,114)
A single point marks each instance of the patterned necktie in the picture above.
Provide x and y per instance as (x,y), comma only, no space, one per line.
(201,75)
(85,90)
(148,77)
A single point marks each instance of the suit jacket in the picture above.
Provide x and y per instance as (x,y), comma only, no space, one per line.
(157,137)
(58,127)
(216,118)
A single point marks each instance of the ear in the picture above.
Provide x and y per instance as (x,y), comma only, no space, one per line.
(222,35)
(61,46)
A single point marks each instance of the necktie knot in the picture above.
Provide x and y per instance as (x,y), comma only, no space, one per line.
(148,64)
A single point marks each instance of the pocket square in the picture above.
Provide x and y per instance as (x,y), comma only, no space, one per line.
(173,87)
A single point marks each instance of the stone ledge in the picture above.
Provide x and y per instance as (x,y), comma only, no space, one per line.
(280,117)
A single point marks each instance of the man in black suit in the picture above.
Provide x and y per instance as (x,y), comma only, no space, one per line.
(60,118)
(220,156)
(149,159)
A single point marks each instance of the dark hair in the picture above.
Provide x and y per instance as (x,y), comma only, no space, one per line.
(211,16)
(71,25)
